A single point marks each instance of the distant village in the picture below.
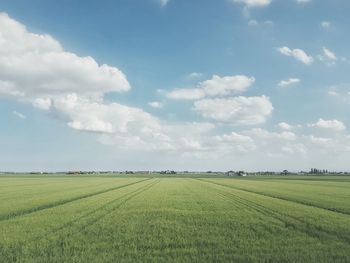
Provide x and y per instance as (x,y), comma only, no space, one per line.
(312,171)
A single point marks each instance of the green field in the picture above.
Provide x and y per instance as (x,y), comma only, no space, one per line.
(167,219)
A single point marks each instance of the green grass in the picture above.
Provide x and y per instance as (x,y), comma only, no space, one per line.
(167,219)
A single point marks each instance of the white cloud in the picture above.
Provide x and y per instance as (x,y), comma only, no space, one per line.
(235,138)
(55,72)
(288,82)
(297,53)
(254,22)
(195,75)
(253,3)
(326,24)
(303,1)
(131,128)
(340,92)
(234,142)
(333,125)
(288,127)
(166,137)
(216,86)
(42,103)
(72,88)
(156,104)
(264,134)
(278,145)
(333,93)
(19,115)
(236,110)
(186,94)
(164,2)
(284,126)
(328,57)
(86,115)
(329,54)
(324,142)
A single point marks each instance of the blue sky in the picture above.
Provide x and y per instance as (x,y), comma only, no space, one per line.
(185,85)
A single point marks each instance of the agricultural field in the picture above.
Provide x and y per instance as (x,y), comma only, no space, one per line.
(174,219)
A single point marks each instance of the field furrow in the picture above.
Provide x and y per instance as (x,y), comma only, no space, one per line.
(281,190)
(175,219)
(91,217)
(61,202)
(312,227)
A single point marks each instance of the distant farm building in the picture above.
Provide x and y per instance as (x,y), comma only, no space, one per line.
(233,173)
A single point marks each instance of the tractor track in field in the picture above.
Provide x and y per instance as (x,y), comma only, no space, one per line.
(288,220)
(63,202)
(279,197)
(46,192)
(128,196)
(346,184)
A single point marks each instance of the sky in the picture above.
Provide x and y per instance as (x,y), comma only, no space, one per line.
(221,85)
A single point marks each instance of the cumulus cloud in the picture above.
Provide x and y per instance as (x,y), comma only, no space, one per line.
(73,89)
(19,115)
(288,82)
(86,115)
(264,134)
(55,72)
(333,125)
(42,103)
(195,75)
(328,57)
(163,2)
(329,54)
(253,3)
(131,128)
(340,92)
(234,142)
(216,86)
(326,24)
(254,22)
(288,127)
(211,100)
(235,110)
(70,86)
(333,93)
(297,53)
(277,144)
(166,137)
(284,126)
(186,94)
(320,141)
(156,104)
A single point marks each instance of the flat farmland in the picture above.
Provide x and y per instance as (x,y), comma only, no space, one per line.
(174,219)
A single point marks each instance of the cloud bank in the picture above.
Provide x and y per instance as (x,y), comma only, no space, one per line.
(35,69)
